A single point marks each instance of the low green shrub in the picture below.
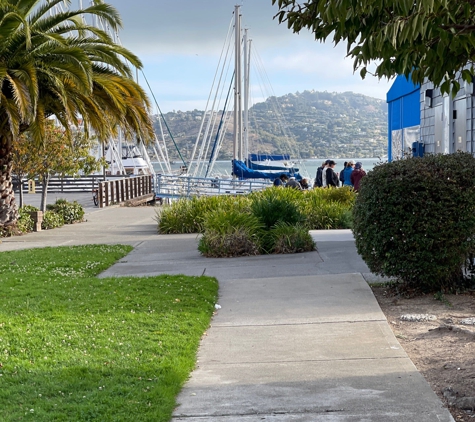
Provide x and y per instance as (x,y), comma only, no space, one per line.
(187,215)
(51,220)
(25,223)
(272,206)
(322,214)
(414,219)
(288,238)
(344,195)
(230,233)
(71,212)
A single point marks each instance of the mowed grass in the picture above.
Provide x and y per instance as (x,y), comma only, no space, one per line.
(74,347)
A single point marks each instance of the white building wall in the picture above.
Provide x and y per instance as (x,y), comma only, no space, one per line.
(446,122)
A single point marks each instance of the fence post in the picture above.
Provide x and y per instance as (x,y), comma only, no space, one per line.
(100,194)
(106,193)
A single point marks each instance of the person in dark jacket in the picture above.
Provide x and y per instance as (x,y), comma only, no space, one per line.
(281,180)
(357,174)
(332,177)
(318,177)
(292,183)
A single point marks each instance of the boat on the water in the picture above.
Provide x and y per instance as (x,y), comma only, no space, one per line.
(244,165)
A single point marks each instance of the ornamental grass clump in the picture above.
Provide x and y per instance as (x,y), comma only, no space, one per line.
(287,238)
(414,219)
(231,233)
(187,215)
(326,209)
(273,205)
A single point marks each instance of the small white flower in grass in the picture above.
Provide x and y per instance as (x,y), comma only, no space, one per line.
(32,410)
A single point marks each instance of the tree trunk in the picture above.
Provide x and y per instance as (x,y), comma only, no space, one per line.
(20,198)
(8,207)
(44,194)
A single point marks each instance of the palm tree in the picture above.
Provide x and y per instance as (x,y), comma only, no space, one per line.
(54,63)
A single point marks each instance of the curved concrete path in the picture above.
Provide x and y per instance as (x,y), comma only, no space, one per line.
(298,337)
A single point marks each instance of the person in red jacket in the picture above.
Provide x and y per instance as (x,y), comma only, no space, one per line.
(356,175)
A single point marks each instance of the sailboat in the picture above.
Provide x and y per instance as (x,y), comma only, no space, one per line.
(245,165)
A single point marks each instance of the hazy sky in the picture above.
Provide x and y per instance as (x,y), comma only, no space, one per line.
(179,43)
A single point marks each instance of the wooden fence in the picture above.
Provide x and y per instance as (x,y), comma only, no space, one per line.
(130,190)
(115,190)
(69,184)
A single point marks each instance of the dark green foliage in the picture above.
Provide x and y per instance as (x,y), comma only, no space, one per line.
(51,220)
(424,40)
(276,205)
(230,233)
(414,219)
(288,238)
(71,212)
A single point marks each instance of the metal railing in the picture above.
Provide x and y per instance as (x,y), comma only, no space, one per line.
(171,186)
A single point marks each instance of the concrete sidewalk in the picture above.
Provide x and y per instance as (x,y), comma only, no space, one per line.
(298,337)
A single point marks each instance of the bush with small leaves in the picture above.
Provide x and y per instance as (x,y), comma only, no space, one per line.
(51,220)
(71,212)
(25,223)
(414,219)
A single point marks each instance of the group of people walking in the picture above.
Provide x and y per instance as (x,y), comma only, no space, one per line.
(350,175)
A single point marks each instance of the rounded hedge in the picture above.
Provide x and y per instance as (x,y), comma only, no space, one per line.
(414,219)
(71,212)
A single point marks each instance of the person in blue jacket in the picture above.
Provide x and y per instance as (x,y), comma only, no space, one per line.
(347,173)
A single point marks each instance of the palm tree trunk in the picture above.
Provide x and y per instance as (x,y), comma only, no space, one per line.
(8,207)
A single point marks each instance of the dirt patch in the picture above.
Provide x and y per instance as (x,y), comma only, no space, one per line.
(439,337)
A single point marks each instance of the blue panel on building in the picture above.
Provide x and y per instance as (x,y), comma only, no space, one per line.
(403,100)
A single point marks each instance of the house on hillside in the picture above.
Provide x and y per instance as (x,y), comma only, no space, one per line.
(439,123)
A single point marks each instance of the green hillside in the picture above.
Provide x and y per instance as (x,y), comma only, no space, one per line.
(306,124)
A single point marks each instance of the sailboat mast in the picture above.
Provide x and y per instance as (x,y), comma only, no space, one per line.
(247,53)
(237,148)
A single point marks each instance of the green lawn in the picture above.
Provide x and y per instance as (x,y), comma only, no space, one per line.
(74,347)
